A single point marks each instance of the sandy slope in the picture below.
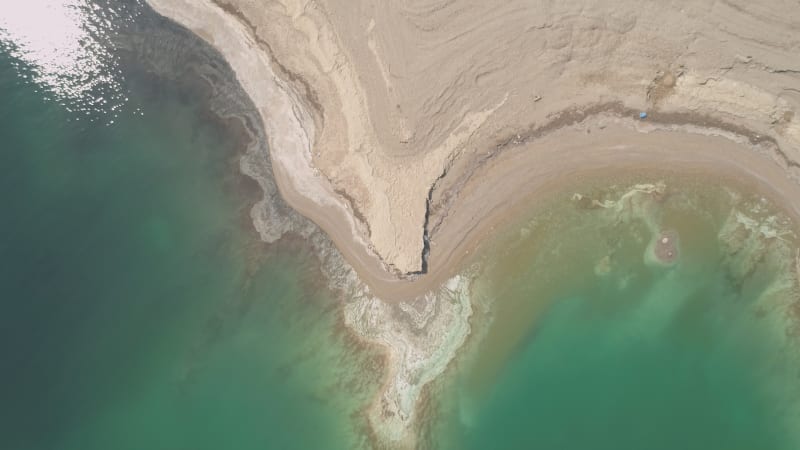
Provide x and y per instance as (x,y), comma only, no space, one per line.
(393,124)
(394,94)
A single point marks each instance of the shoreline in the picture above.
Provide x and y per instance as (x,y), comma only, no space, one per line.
(290,130)
(472,197)
(509,184)
(366,154)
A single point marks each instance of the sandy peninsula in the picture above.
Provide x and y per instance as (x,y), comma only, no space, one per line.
(408,130)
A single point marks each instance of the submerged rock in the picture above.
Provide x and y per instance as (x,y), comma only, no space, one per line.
(665,248)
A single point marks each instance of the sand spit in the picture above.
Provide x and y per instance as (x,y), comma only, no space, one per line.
(379,115)
(419,336)
(390,99)
(408,131)
(422,336)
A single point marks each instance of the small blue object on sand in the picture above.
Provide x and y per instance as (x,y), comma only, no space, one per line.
(643,115)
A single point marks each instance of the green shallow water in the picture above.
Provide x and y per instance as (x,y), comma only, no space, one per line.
(587,343)
(137,308)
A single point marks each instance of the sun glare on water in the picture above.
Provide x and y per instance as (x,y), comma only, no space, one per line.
(63,46)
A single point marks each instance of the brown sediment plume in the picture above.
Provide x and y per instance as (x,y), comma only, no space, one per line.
(408,131)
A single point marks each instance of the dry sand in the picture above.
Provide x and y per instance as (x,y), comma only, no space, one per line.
(397,124)
(391,102)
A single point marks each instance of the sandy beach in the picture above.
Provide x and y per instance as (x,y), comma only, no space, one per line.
(408,132)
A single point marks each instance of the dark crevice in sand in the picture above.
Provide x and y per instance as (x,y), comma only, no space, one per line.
(426,241)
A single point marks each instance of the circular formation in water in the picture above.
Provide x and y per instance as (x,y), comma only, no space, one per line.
(666,247)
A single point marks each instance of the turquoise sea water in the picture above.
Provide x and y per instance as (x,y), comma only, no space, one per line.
(138,310)
(592,344)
